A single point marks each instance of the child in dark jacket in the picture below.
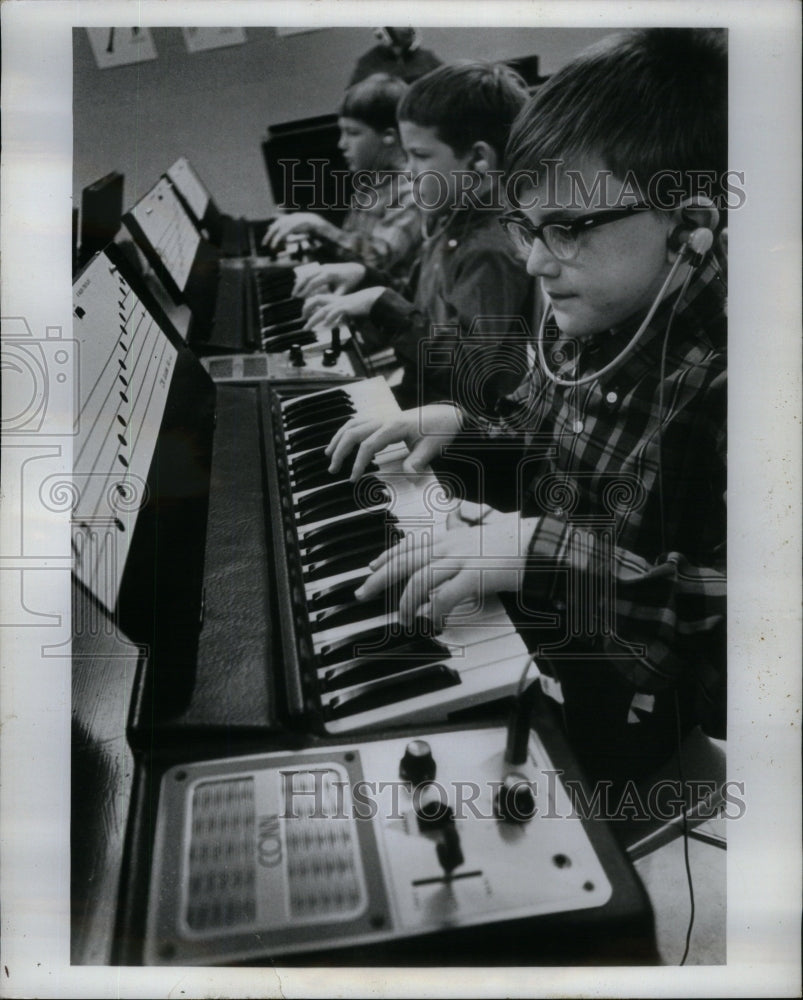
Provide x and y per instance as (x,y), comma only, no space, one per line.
(464,323)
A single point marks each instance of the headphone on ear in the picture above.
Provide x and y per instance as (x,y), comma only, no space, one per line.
(694,236)
(388,37)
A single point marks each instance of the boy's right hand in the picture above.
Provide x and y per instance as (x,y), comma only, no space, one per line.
(337,278)
(325,309)
(294,222)
(425,431)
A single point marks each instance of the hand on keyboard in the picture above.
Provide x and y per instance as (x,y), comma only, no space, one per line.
(336,278)
(466,564)
(425,430)
(326,310)
(296,222)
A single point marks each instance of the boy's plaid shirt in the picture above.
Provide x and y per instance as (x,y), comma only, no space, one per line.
(628,476)
(388,234)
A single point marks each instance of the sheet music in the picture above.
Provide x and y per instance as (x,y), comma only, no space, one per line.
(169,229)
(126,365)
(189,185)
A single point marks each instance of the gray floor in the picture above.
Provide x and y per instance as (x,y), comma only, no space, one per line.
(664,875)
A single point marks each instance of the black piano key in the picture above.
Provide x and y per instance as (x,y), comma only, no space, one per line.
(386,639)
(340,487)
(357,556)
(338,505)
(274,285)
(296,439)
(390,690)
(304,419)
(312,437)
(281,309)
(286,330)
(315,464)
(317,478)
(280,344)
(366,669)
(361,536)
(336,593)
(315,459)
(337,565)
(364,523)
(333,563)
(312,401)
(350,613)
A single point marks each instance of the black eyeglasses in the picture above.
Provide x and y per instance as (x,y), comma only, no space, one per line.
(562,239)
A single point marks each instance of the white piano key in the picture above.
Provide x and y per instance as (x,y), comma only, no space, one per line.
(487,682)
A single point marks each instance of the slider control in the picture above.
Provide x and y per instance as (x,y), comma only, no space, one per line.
(336,346)
(450,854)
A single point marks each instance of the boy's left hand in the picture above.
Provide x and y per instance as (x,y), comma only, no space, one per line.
(463,564)
(326,310)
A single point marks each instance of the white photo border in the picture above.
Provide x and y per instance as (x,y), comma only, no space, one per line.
(764,874)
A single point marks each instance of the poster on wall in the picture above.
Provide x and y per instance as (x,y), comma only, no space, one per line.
(121,46)
(202,39)
(296,31)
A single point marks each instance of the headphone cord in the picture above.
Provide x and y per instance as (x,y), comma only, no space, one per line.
(571,383)
(661,418)
(685,828)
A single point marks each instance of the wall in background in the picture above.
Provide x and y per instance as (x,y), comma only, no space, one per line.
(214,107)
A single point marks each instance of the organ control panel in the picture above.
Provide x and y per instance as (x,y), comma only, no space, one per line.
(364,842)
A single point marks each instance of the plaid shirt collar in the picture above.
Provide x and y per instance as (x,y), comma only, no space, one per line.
(702,303)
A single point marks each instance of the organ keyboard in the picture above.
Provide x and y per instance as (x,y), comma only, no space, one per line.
(236,553)
(360,666)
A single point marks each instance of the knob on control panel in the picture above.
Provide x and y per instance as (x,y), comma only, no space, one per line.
(515,800)
(297,356)
(417,765)
(329,358)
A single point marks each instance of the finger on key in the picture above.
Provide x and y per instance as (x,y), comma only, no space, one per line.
(403,560)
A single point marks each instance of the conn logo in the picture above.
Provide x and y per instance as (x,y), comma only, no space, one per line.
(269,842)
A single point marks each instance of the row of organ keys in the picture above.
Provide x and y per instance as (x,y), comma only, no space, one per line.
(279,312)
(370,669)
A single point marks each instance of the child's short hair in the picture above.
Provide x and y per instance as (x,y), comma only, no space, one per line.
(466,102)
(645,102)
(374,101)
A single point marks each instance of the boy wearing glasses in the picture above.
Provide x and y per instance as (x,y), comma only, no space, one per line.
(611,529)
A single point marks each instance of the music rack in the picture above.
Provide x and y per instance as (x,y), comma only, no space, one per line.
(143,453)
(233,237)
(126,366)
